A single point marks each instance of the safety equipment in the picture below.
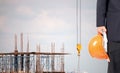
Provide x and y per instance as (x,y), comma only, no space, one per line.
(96,48)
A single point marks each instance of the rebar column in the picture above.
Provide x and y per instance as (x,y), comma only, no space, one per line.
(27,63)
(22,55)
(16,61)
(16,56)
(38,65)
(27,59)
(53,57)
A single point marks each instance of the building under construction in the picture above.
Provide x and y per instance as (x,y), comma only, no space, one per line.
(32,62)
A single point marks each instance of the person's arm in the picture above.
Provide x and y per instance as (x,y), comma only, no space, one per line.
(102,6)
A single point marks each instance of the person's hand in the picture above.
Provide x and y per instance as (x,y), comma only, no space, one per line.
(108,60)
(101,29)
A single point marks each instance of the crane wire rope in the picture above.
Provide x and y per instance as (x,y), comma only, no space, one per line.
(78,20)
(78,23)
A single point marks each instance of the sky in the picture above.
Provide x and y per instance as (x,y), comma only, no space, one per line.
(51,21)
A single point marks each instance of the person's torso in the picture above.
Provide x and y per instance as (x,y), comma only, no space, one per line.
(113,20)
(113,5)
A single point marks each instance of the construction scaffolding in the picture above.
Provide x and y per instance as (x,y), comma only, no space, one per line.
(8,64)
(42,63)
(32,62)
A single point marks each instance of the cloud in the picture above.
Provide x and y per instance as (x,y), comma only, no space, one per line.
(24,10)
(43,22)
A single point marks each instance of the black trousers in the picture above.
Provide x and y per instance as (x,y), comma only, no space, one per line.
(114,54)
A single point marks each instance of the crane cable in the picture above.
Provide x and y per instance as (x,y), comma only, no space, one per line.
(78,23)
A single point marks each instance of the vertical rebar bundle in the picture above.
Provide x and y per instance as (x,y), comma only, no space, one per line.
(16,56)
(38,64)
(11,63)
(22,55)
(62,59)
(52,57)
(15,42)
(21,35)
(27,59)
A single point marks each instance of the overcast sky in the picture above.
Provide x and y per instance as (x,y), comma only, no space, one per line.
(46,21)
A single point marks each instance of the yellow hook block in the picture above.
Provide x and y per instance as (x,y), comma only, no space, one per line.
(79,47)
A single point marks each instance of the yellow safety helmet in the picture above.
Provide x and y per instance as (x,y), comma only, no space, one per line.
(96,48)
